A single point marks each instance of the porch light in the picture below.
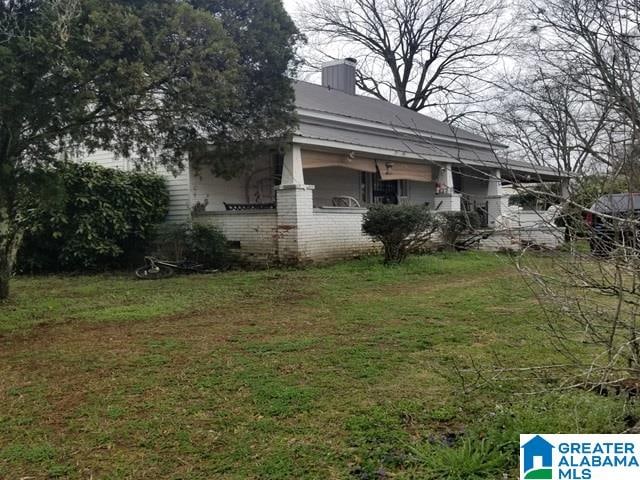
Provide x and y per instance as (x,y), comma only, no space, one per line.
(389,166)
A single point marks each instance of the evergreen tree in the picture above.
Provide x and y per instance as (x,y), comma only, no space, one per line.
(146,79)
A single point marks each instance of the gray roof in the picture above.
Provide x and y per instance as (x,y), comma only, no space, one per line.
(617,203)
(396,142)
(317,98)
(424,138)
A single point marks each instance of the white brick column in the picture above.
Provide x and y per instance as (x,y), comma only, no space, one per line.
(294,203)
(497,203)
(295,217)
(446,200)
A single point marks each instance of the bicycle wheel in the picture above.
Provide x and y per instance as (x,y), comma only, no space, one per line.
(154,273)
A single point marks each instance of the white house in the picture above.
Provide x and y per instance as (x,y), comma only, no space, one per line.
(306,203)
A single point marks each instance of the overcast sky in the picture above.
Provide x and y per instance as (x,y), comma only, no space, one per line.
(308,73)
(291,6)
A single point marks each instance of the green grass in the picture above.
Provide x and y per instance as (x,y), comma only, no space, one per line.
(342,372)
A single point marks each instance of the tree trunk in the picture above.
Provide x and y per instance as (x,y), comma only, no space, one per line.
(10,240)
(10,228)
(5,275)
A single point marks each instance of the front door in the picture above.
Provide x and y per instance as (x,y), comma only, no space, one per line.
(385,191)
(376,190)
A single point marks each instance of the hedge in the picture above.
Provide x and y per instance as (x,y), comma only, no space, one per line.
(98,218)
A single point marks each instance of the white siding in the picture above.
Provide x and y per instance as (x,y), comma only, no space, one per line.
(210,190)
(179,203)
(177,185)
(474,188)
(332,182)
(108,160)
(421,193)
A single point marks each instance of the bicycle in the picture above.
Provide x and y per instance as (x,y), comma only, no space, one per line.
(155,269)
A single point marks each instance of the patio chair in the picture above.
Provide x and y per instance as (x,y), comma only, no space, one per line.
(345,201)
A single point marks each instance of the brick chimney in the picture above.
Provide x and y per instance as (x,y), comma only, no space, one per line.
(340,75)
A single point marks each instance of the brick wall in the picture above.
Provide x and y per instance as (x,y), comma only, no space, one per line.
(293,234)
(543,236)
(307,235)
(298,233)
(255,230)
(337,234)
(325,235)
(295,222)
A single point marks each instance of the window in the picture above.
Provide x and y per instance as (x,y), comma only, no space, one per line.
(375,190)
(403,188)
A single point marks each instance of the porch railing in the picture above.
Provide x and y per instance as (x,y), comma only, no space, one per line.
(249,206)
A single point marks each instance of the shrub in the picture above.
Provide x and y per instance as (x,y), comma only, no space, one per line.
(400,228)
(194,242)
(455,224)
(97,218)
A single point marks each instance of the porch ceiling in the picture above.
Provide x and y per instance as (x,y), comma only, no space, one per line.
(388,169)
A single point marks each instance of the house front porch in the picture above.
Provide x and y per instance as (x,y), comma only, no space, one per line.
(307,204)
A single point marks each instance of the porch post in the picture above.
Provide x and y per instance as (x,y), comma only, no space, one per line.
(292,173)
(497,202)
(565,187)
(446,200)
(294,202)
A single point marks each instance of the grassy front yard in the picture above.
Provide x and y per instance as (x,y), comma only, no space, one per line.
(345,372)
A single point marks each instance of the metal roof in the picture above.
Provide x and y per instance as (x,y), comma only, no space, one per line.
(617,203)
(400,144)
(377,126)
(320,99)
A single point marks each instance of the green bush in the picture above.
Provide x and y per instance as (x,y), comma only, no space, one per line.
(400,228)
(194,242)
(95,218)
(455,224)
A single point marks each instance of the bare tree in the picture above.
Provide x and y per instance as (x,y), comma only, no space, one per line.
(571,102)
(549,124)
(417,53)
(593,47)
(579,109)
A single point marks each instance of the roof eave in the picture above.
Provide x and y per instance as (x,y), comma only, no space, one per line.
(368,126)
(541,172)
